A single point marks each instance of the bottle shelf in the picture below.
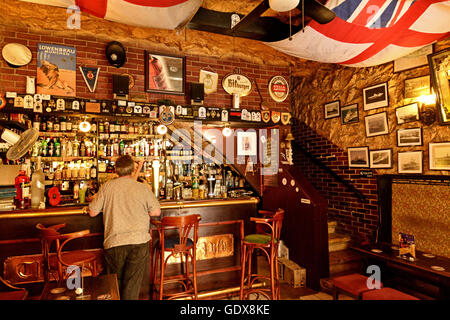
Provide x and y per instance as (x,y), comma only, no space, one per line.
(62,158)
(113,158)
(125,136)
(65,134)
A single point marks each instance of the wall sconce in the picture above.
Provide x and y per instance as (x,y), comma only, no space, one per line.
(427,108)
(227,131)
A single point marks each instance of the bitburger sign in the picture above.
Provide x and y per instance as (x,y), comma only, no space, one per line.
(235,83)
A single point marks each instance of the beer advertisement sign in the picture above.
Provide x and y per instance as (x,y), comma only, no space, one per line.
(278,88)
(235,83)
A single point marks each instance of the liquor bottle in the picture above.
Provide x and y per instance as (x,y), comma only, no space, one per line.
(101,127)
(121,148)
(62,124)
(75,125)
(75,148)
(94,127)
(56,125)
(106,125)
(76,191)
(101,149)
(109,168)
(57,146)
(51,148)
(69,124)
(112,127)
(22,184)
(37,123)
(93,172)
(36,149)
(50,124)
(44,147)
(69,147)
(58,174)
(123,127)
(82,149)
(115,148)
(43,125)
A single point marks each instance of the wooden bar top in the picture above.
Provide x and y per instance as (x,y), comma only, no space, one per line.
(82,209)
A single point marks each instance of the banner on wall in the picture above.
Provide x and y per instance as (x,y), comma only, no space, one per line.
(56,70)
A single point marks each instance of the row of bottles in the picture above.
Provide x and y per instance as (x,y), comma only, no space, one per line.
(60,124)
(119,147)
(143,128)
(73,170)
(64,147)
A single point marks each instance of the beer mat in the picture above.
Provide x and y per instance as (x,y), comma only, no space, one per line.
(57,290)
(438,268)
(429,255)
(377,250)
(84,297)
(62,298)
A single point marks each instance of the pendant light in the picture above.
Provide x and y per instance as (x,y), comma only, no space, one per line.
(283,5)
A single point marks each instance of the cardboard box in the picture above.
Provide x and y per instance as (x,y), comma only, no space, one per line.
(292,273)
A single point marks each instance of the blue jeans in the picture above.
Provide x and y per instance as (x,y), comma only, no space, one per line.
(129,263)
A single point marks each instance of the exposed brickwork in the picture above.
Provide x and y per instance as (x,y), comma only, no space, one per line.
(91,52)
(355,217)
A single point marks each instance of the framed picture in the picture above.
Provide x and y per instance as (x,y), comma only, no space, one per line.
(407,113)
(164,73)
(410,162)
(349,114)
(439,64)
(332,109)
(416,87)
(246,143)
(409,137)
(381,158)
(415,59)
(376,96)
(376,124)
(439,155)
(358,157)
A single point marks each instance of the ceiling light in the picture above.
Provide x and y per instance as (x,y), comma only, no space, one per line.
(85,126)
(161,129)
(283,5)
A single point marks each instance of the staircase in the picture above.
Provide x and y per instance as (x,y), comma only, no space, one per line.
(342,259)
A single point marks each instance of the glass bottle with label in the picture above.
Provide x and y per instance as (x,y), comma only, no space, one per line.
(69,124)
(51,148)
(62,124)
(57,146)
(22,184)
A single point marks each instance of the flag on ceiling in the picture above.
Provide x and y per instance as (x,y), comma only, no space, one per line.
(370,32)
(161,14)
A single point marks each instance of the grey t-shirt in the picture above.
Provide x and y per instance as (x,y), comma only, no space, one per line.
(126,204)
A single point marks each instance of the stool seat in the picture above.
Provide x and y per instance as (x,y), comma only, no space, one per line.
(258,238)
(387,294)
(353,284)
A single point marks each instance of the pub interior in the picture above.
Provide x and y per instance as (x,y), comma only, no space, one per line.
(289,163)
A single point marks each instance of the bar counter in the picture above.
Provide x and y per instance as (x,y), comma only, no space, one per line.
(221,228)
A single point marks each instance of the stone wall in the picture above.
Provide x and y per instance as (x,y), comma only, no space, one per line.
(329,140)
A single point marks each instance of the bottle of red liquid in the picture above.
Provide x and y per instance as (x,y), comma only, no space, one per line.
(22,184)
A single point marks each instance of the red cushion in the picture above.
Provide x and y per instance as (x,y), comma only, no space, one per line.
(386,294)
(354,283)
(13,295)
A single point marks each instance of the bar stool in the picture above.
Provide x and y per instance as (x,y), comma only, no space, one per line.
(386,294)
(54,263)
(353,285)
(176,244)
(268,244)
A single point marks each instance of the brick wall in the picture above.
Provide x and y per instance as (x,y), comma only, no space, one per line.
(355,217)
(91,52)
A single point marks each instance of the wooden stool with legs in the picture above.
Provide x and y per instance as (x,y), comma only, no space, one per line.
(267,243)
(55,263)
(175,241)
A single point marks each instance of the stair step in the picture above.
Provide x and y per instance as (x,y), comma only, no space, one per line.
(338,242)
(332,226)
(343,256)
(347,268)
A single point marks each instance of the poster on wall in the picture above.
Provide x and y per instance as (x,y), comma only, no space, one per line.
(56,70)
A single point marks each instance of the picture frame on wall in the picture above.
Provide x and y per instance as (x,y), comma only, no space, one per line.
(165,73)
(413,60)
(332,109)
(376,124)
(409,137)
(439,155)
(410,162)
(358,157)
(418,86)
(376,96)
(349,114)
(408,113)
(381,159)
(439,70)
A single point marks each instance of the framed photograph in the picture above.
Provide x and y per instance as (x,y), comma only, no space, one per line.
(246,143)
(376,96)
(407,113)
(409,137)
(332,109)
(376,124)
(381,158)
(410,162)
(349,114)
(164,73)
(439,154)
(439,64)
(415,59)
(358,157)
(416,87)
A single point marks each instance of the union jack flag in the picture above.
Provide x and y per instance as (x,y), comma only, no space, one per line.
(370,32)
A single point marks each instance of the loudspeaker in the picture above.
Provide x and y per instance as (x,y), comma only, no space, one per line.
(120,86)
(197,93)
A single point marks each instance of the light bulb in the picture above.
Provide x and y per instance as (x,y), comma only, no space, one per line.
(283,5)
(227,132)
(85,126)
(161,129)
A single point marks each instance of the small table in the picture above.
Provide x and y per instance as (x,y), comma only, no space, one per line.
(103,287)
(427,267)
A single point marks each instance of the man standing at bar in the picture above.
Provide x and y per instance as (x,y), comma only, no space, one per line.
(127,206)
